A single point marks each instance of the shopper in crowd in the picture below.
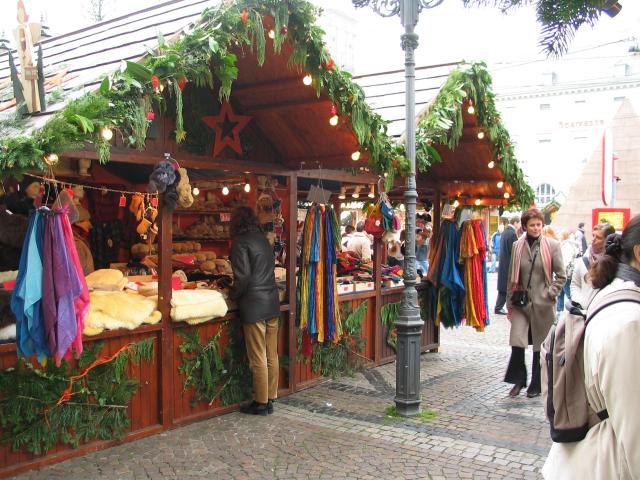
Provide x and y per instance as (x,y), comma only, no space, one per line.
(423,238)
(549,232)
(611,448)
(569,254)
(581,288)
(494,247)
(348,233)
(359,243)
(581,238)
(537,269)
(256,294)
(506,243)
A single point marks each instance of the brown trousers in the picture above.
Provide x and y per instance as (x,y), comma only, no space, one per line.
(262,349)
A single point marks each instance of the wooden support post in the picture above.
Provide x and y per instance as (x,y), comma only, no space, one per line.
(377,300)
(437,213)
(164,305)
(292,185)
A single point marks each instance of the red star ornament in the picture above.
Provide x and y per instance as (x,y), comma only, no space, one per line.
(227,126)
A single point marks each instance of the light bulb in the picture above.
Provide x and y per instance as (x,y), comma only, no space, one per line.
(355,156)
(500,184)
(480,135)
(107,134)
(342,196)
(333,121)
(247,187)
(506,195)
(471,109)
(225,190)
(371,194)
(355,194)
(51,159)
(456,204)
(491,164)
(343,205)
(272,34)
(386,174)
(402,207)
(195,191)
(477,202)
(307,79)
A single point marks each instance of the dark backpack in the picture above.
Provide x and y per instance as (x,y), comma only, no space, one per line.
(563,389)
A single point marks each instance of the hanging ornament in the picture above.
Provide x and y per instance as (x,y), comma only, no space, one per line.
(51,159)
(284,30)
(182,83)
(328,65)
(151,116)
(155,82)
(123,201)
(243,16)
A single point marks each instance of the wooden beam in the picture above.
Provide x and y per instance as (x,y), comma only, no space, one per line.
(164,305)
(344,176)
(278,106)
(189,160)
(292,185)
(269,85)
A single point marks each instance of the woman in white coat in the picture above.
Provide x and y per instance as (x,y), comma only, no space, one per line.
(611,449)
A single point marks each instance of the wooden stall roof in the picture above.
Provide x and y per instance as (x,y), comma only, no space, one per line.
(463,172)
(289,115)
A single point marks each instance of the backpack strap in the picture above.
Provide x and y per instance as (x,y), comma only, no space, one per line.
(619,296)
(586,261)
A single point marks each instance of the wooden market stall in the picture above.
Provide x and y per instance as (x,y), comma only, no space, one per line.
(268,131)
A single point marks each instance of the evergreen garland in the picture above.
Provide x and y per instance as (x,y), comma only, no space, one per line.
(332,360)
(40,407)
(388,314)
(215,371)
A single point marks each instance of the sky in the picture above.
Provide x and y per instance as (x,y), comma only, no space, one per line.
(447,33)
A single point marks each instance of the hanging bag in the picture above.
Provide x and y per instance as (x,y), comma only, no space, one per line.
(520,298)
(373,224)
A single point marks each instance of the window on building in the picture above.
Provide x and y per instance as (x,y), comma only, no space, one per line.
(545,193)
(544,140)
(581,102)
(545,106)
(618,99)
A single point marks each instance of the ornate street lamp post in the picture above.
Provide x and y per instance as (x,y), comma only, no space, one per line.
(408,324)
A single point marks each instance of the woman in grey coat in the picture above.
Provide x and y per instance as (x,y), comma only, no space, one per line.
(537,268)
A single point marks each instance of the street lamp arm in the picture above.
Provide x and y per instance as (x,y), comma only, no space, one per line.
(389,8)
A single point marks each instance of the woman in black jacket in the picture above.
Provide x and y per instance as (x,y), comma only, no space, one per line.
(256,294)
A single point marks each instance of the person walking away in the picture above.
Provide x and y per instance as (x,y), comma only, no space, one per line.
(256,294)
(422,250)
(611,448)
(537,268)
(494,247)
(581,288)
(509,236)
(348,232)
(359,243)
(581,238)
(569,255)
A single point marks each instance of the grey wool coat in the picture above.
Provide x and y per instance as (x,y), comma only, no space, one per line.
(540,312)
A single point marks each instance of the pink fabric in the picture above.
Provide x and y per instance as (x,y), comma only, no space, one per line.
(545,253)
(81,303)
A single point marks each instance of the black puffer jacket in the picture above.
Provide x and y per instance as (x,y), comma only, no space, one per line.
(254,285)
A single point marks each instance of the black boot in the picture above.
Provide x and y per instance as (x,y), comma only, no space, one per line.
(255,408)
(270,406)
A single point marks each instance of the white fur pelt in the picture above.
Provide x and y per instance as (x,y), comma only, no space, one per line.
(8,332)
(113,310)
(197,306)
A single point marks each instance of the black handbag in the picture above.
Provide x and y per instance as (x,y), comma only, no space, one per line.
(520,298)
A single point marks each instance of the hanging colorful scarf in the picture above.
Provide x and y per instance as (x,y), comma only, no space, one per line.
(26,300)
(514,268)
(318,311)
(61,287)
(473,249)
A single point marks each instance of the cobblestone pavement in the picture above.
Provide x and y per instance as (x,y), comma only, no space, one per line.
(338,430)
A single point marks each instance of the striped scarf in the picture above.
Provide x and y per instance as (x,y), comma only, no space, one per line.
(514,268)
